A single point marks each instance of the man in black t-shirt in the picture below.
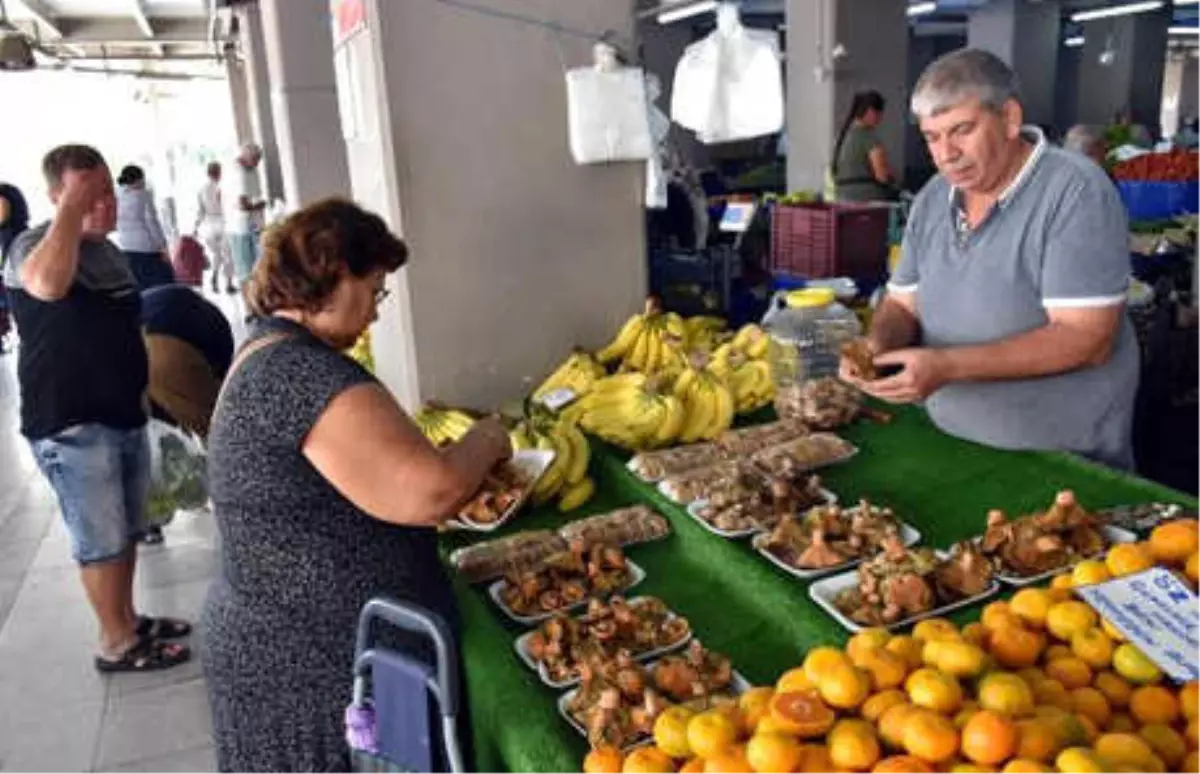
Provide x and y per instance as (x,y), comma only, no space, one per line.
(83,376)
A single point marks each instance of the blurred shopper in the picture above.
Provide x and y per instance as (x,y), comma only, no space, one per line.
(249,213)
(83,378)
(1087,140)
(139,233)
(325,494)
(860,168)
(210,229)
(14,219)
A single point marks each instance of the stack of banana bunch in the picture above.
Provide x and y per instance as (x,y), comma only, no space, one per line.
(704,333)
(632,410)
(708,403)
(743,364)
(567,477)
(577,373)
(650,343)
(442,425)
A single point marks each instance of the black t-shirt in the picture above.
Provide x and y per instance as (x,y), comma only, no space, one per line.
(179,311)
(82,358)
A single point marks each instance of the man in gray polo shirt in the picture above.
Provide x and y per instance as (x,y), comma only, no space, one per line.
(1006,313)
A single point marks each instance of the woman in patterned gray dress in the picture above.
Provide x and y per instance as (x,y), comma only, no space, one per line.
(325,495)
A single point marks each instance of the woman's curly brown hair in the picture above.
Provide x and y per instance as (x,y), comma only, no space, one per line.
(307,255)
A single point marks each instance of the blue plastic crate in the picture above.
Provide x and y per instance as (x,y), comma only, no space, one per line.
(1159,201)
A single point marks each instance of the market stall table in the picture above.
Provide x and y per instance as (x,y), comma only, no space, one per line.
(738,603)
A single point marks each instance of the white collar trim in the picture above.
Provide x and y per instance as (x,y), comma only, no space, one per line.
(1031,132)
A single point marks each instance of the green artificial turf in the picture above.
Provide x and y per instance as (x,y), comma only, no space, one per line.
(738,603)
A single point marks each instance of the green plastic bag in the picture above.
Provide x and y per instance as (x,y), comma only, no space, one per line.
(178,473)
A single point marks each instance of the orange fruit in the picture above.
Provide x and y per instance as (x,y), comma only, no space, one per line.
(1116,689)
(971,768)
(1191,762)
(1113,632)
(853,745)
(1128,749)
(1091,731)
(892,723)
(793,681)
(815,758)
(907,648)
(773,752)
(874,707)
(753,706)
(671,731)
(1174,541)
(647,760)
(1121,721)
(1032,605)
(844,686)
(1187,699)
(1193,734)
(1023,766)
(866,641)
(1052,693)
(1192,568)
(1132,664)
(1062,582)
(693,766)
(1089,572)
(710,733)
(901,764)
(1166,743)
(976,634)
(930,737)
(821,660)
(886,669)
(1057,651)
(1032,676)
(1078,760)
(999,615)
(1005,693)
(1091,704)
(1153,704)
(934,690)
(989,737)
(603,760)
(1128,558)
(731,760)
(958,658)
(1093,647)
(1060,595)
(1071,672)
(1017,647)
(1038,740)
(935,629)
(965,714)
(1065,619)
(802,714)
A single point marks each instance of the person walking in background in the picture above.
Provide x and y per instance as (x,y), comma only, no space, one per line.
(83,378)
(139,233)
(210,229)
(14,218)
(1088,141)
(249,215)
(860,168)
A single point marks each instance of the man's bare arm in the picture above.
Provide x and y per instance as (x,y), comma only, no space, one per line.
(895,324)
(49,271)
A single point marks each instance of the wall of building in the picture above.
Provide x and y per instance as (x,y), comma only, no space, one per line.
(1025,35)
(1133,77)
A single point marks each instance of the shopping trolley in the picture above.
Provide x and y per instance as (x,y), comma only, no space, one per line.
(397,728)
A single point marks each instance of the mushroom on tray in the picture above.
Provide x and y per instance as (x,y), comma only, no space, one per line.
(567,578)
(1042,542)
(828,535)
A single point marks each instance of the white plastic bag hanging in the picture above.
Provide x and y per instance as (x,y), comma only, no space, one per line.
(660,130)
(178,473)
(606,111)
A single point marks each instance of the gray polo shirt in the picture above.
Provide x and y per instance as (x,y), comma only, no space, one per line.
(1058,237)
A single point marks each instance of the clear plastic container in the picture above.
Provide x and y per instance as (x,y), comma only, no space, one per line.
(807,328)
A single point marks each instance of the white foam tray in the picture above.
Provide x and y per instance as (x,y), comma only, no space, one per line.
(696,506)
(533,464)
(1114,534)
(908,533)
(637,575)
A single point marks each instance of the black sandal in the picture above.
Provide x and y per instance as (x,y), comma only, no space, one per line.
(162,628)
(146,655)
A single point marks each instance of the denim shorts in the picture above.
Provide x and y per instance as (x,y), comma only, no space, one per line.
(101,476)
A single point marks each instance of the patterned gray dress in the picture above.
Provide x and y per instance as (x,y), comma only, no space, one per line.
(298,561)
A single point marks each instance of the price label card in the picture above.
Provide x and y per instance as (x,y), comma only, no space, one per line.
(1157,612)
(557,399)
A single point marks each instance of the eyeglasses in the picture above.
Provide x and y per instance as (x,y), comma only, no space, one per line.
(382,294)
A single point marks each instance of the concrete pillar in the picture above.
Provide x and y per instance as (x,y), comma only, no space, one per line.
(1026,35)
(460,141)
(1122,67)
(239,96)
(254,46)
(874,34)
(1189,94)
(304,100)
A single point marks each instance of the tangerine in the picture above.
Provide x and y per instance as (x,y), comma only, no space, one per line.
(1032,676)
(1153,704)
(892,723)
(1023,766)
(886,669)
(907,648)
(1052,693)
(930,737)
(874,707)
(1174,541)
(959,658)
(1187,699)
(731,760)
(900,764)
(710,733)
(1166,743)
(1192,568)
(603,760)
(1062,582)
(1039,740)
(1032,605)
(821,660)
(773,752)
(1072,672)
(802,714)
(1124,748)
(647,760)
(1131,663)
(671,731)
(935,690)
(753,706)
(1094,648)
(1121,722)
(693,766)
(1191,762)
(794,680)
(1089,572)
(971,768)
(935,629)
(1091,704)
(989,737)
(1005,693)
(1128,558)
(1193,734)
(976,634)
(1116,689)
(853,745)
(866,641)
(1017,647)
(815,758)
(999,615)
(1078,760)
(1065,619)
(1057,651)
(1113,632)
(844,687)
(965,714)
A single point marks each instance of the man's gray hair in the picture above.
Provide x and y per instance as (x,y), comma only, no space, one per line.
(961,76)
(1083,138)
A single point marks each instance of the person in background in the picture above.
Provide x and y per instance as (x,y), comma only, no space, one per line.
(14,218)
(1006,314)
(1188,136)
(326,494)
(1088,141)
(139,234)
(860,168)
(83,376)
(249,216)
(189,345)
(210,229)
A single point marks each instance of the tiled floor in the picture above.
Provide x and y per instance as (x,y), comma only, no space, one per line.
(56,712)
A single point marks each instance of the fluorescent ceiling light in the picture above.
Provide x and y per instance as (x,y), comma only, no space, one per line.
(920,9)
(1183,30)
(1074,41)
(1186,2)
(1117,10)
(687,11)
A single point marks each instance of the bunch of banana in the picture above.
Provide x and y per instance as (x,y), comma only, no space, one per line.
(752,341)
(361,352)
(708,405)
(443,425)
(577,373)
(743,364)
(752,386)
(567,477)
(704,333)
(651,342)
(631,410)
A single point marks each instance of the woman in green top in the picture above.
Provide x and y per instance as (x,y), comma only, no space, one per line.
(860,167)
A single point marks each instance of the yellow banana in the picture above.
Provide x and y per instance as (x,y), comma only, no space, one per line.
(554,477)
(456,424)
(684,383)
(701,408)
(625,339)
(759,344)
(723,414)
(519,438)
(580,453)
(673,324)
(576,495)
(636,359)
(672,421)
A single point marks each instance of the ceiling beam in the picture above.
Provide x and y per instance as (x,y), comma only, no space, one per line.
(143,22)
(126,31)
(40,12)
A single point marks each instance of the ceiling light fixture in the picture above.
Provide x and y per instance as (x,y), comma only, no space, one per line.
(921,9)
(1183,30)
(1117,10)
(686,11)
(1075,41)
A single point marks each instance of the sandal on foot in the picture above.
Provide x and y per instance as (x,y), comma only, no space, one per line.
(162,628)
(146,655)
